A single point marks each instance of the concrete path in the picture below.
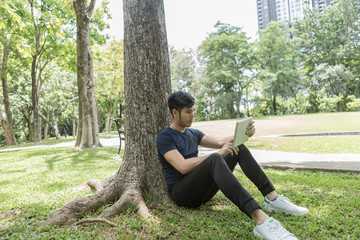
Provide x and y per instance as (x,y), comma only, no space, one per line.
(317,161)
(271,159)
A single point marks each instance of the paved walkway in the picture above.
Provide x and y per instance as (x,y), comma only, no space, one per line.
(317,161)
(271,159)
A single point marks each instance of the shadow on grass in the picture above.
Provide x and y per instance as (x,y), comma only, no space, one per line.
(87,158)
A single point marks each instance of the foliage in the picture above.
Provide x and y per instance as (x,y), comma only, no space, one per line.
(278,63)
(182,66)
(109,77)
(48,178)
(228,57)
(45,30)
(354,104)
(331,78)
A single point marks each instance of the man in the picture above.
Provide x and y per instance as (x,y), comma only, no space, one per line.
(194,180)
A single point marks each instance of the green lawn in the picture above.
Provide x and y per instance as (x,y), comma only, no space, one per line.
(320,122)
(333,144)
(33,183)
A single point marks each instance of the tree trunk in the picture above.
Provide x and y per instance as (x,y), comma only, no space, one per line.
(53,126)
(88,129)
(8,125)
(238,110)
(28,120)
(46,127)
(56,127)
(35,101)
(108,117)
(3,124)
(146,72)
(274,105)
(74,121)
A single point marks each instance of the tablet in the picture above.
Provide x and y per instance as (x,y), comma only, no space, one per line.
(240,132)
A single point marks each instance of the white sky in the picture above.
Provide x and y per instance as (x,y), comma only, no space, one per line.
(189,21)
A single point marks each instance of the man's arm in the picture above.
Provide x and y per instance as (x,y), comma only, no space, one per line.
(211,142)
(185,166)
(180,164)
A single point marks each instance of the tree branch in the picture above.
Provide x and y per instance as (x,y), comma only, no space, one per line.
(91,8)
(63,108)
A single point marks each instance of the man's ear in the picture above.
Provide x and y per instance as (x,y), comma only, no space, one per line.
(175,113)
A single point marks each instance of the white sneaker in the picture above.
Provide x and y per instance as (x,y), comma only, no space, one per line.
(283,204)
(272,229)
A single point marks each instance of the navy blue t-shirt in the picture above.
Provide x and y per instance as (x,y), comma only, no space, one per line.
(185,142)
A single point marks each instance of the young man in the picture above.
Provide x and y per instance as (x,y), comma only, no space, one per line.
(194,180)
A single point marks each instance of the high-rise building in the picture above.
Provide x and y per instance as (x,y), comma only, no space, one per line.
(285,10)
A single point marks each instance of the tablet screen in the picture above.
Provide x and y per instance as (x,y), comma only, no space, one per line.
(240,131)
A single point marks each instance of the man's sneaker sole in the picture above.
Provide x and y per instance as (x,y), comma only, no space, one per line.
(270,209)
(256,234)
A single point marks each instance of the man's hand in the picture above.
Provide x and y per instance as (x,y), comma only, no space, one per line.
(250,129)
(227,148)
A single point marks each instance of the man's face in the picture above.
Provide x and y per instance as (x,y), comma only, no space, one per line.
(187,116)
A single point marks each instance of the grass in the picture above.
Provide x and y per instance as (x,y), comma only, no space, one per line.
(333,144)
(49,141)
(33,183)
(320,122)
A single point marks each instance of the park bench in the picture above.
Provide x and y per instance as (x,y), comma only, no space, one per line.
(121,131)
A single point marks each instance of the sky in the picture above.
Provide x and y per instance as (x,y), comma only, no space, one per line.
(188,22)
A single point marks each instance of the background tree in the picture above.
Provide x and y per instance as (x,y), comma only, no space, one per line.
(44,36)
(109,78)
(61,84)
(331,38)
(88,129)
(183,66)
(147,72)
(10,25)
(277,60)
(228,57)
(331,79)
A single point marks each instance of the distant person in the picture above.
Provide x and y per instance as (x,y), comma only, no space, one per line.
(194,180)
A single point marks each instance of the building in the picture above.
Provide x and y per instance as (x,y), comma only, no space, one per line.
(285,10)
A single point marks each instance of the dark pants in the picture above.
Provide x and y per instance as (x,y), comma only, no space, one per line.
(215,173)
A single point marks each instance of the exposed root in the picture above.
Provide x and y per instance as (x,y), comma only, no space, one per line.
(143,210)
(128,198)
(95,220)
(107,181)
(95,185)
(77,208)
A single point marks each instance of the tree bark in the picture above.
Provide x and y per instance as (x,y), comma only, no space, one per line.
(108,117)
(74,121)
(35,101)
(3,124)
(46,127)
(147,72)
(88,129)
(8,124)
(28,120)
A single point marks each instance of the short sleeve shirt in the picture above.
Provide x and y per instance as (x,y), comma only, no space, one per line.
(185,142)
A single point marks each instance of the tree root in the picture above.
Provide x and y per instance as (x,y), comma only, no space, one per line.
(122,194)
(95,220)
(143,210)
(77,208)
(127,199)
(96,185)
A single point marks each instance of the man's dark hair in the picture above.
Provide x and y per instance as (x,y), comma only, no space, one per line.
(179,100)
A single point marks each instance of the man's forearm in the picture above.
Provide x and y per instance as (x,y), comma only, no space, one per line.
(225,140)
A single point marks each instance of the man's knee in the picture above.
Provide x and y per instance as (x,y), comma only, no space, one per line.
(214,159)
